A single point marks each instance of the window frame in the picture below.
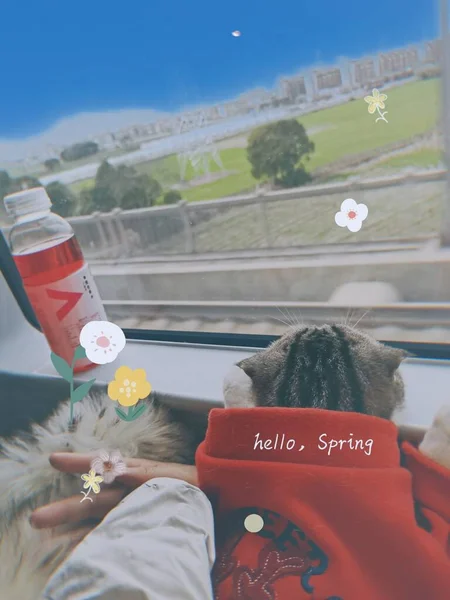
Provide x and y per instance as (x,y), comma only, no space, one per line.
(14,282)
(238,340)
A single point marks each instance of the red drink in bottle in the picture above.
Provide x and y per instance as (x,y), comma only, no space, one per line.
(55,275)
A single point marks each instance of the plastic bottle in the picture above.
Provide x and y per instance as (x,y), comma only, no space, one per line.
(55,275)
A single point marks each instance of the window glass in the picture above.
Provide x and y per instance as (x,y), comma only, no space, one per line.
(245,167)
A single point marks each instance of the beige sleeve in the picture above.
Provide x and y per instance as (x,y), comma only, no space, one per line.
(158,543)
(436,442)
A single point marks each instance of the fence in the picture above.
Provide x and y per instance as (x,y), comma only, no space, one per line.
(405,205)
(401,206)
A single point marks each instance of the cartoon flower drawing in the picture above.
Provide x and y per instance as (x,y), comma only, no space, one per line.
(376,102)
(102,341)
(67,372)
(109,465)
(351,215)
(128,387)
(91,482)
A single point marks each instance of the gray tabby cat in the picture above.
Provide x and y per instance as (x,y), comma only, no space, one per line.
(332,367)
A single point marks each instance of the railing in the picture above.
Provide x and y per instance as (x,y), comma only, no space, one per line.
(265,220)
(279,219)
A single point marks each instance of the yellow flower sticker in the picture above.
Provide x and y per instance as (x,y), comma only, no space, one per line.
(128,387)
(376,102)
(91,482)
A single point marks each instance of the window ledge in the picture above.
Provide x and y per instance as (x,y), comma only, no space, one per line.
(190,376)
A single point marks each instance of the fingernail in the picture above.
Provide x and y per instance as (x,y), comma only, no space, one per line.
(42,512)
(57,454)
(56,457)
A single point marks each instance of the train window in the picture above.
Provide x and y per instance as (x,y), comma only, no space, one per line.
(180,184)
(232,176)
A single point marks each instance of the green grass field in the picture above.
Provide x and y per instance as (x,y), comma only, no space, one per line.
(427,157)
(348,129)
(342,131)
(412,110)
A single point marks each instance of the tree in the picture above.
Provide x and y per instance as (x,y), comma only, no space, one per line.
(52,164)
(137,190)
(103,198)
(106,174)
(86,205)
(105,193)
(77,151)
(63,199)
(154,190)
(25,182)
(9,185)
(5,182)
(276,151)
(172,197)
(121,187)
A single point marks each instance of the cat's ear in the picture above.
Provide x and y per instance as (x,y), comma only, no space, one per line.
(248,365)
(393,357)
(238,388)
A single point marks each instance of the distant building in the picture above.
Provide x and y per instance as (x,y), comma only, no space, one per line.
(326,79)
(398,61)
(106,141)
(432,52)
(293,88)
(254,99)
(363,72)
(212,113)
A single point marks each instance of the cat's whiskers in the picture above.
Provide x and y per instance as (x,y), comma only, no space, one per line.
(288,317)
(348,316)
(280,321)
(293,318)
(361,318)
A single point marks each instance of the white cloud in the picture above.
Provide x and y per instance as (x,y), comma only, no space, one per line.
(75,129)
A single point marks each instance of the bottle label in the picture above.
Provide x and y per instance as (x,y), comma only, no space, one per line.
(64,307)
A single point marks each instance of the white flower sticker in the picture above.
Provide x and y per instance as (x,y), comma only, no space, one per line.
(108,465)
(351,215)
(102,341)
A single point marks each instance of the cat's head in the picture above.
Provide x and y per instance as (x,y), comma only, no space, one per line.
(334,367)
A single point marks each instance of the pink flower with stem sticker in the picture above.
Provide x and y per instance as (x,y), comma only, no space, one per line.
(109,465)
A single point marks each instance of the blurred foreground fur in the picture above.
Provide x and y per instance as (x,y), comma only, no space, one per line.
(27,480)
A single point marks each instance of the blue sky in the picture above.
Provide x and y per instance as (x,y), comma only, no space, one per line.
(62,58)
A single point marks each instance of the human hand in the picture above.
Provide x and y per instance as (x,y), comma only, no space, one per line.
(71,511)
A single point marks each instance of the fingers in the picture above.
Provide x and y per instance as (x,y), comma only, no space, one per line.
(140,471)
(69,462)
(71,510)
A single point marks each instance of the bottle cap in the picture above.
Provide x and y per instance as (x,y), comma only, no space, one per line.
(27,201)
